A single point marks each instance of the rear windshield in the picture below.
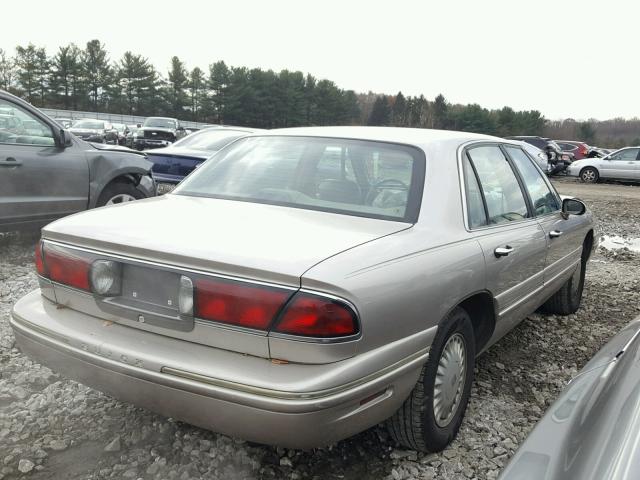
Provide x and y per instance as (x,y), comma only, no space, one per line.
(159,122)
(354,177)
(210,139)
(95,124)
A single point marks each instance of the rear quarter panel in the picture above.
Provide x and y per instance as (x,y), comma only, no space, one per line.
(407,282)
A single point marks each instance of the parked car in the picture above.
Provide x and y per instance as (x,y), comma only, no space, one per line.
(591,432)
(98,131)
(539,156)
(51,173)
(579,150)
(623,164)
(64,122)
(558,159)
(158,132)
(312,283)
(121,131)
(171,164)
(131,135)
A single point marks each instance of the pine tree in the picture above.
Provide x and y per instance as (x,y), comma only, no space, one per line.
(381,112)
(66,72)
(7,72)
(197,89)
(27,71)
(217,83)
(177,85)
(399,111)
(440,112)
(97,71)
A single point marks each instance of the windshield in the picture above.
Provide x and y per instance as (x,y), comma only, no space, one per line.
(211,139)
(160,122)
(92,124)
(362,178)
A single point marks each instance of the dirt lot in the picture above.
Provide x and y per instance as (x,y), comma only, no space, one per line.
(53,428)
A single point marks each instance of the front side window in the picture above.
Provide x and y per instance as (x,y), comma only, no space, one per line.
(19,126)
(627,154)
(354,177)
(542,198)
(502,194)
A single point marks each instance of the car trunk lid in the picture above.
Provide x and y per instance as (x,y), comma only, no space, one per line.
(254,243)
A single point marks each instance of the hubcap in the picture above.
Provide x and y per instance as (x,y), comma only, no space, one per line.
(588,176)
(121,198)
(450,379)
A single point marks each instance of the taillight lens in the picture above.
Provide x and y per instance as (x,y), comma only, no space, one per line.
(39,261)
(67,267)
(314,316)
(238,304)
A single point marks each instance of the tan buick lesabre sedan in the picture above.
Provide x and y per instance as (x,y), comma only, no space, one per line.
(306,284)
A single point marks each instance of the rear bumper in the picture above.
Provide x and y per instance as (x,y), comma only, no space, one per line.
(266,413)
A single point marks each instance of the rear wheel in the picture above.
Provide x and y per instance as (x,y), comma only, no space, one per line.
(119,192)
(589,175)
(567,300)
(430,418)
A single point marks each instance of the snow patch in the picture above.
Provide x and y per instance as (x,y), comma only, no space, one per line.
(616,242)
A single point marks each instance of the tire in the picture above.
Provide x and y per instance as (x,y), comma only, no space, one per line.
(415,425)
(119,192)
(567,300)
(589,175)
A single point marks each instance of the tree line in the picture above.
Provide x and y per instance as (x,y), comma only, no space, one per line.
(87,78)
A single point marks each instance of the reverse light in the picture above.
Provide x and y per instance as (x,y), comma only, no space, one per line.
(315,316)
(106,277)
(244,305)
(185,296)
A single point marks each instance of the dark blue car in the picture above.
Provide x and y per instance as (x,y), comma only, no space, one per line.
(171,164)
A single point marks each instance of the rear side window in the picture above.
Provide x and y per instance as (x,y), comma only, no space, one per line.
(542,198)
(475,204)
(499,186)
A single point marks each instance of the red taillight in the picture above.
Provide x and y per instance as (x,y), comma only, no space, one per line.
(313,316)
(38,258)
(68,268)
(238,304)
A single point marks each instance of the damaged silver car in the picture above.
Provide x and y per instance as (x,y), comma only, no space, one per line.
(314,282)
(48,173)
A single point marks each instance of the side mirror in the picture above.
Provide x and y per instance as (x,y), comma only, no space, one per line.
(573,206)
(63,138)
(180,128)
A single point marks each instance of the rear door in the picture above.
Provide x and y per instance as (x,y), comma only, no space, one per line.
(563,236)
(621,164)
(512,241)
(39,181)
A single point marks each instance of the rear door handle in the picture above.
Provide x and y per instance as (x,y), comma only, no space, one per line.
(503,251)
(9,162)
(555,233)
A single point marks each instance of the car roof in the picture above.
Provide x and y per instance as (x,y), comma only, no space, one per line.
(411,136)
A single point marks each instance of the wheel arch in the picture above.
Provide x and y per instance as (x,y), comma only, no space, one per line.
(480,307)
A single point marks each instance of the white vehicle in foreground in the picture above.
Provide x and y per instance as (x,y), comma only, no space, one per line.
(622,164)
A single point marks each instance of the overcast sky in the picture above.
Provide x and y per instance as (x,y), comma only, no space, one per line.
(565,58)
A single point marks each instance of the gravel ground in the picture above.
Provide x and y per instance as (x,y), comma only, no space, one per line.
(52,428)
